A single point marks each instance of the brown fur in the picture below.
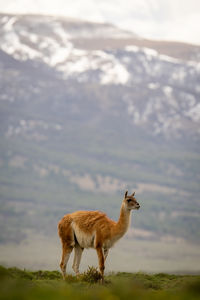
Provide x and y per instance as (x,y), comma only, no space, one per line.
(93,229)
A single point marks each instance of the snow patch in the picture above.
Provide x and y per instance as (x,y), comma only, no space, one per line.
(179,75)
(59,56)
(31,36)
(194,113)
(59,31)
(153,85)
(8,24)
(114,73)
(13,46)
(169,59)
(167,91)
(132,48)
(150,52)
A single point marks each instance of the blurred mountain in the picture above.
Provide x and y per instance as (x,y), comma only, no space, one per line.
(88,110)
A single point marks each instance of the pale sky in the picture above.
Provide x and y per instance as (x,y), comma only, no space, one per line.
(156,19)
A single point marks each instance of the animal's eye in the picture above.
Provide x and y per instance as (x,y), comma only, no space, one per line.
(129,200)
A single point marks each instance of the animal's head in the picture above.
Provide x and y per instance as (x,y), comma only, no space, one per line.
(130,201)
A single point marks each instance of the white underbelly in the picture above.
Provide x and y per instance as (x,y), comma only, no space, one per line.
(85,240)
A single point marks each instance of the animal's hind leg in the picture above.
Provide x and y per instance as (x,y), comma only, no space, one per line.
(67,239)
(77,258)
(66,251)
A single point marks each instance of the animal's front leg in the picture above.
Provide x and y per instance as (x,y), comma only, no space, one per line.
(105,252)
(77,258)
(101,262)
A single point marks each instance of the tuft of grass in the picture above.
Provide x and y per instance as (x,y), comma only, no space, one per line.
(92,275)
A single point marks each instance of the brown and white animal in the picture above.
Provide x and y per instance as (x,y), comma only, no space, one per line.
(93,229)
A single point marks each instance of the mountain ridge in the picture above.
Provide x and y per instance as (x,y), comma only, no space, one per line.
(174,48)
(53,46)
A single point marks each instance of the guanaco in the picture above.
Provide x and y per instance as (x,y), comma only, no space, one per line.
(93,229)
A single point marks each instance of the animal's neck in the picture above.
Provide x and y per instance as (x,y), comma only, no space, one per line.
(123,222)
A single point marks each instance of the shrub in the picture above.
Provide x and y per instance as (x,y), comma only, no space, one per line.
(92,275)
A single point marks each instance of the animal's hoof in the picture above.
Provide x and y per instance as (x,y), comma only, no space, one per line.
(102,280)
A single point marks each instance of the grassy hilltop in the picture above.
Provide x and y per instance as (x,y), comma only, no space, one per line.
(22,284)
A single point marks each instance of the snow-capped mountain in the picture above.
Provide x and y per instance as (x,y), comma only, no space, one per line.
(160,92)
(87,110)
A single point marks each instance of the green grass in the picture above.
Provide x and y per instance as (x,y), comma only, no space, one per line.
(23,284)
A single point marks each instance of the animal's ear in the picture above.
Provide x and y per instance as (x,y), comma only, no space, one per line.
(133,194)
(126,193)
